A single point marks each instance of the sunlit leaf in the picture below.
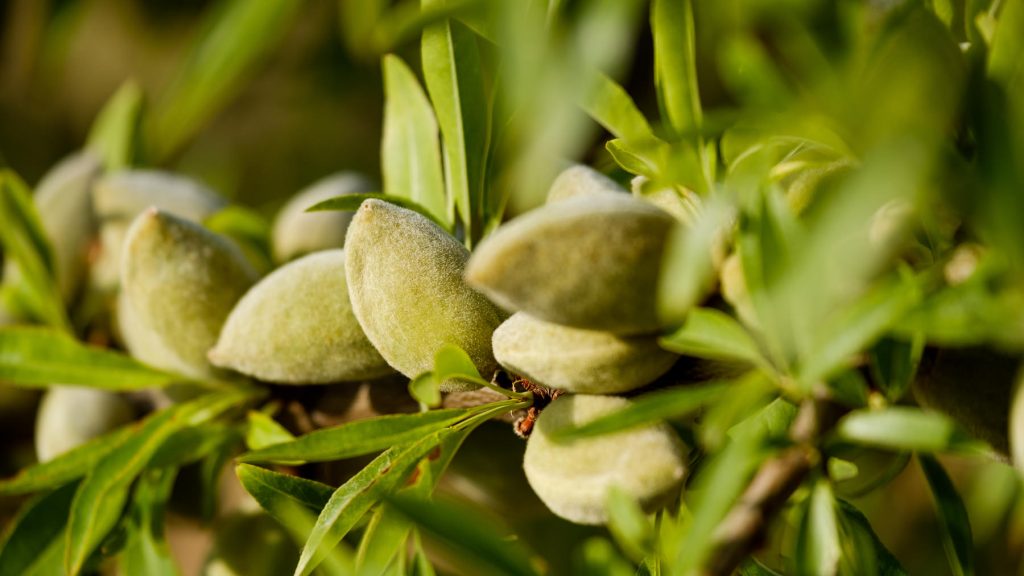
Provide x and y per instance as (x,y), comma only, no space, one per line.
(710,333)
(354,498)
(101,496)
(453,71)
(25,243)
(39,357)
(598,557)
(114,135)
(611,106)
(818,546)
(357,438)
(899,428)
(410,149)
(675,67)
(264,431)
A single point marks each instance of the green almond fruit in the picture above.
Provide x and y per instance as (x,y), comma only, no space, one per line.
(70,416)
(182,281)
(581,180)
(297,232)
(573,478)
(122,195)
(297,327)
(405,281)
(63,201)
(588,262)
(575,360)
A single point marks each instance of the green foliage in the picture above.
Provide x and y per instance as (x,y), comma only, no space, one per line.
(826,203)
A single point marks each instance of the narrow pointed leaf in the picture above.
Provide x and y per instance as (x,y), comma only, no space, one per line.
(25,243)
(612,107)
(114,133)
(710,333)
(675,69)
(38,357)
(452,70)
(39,525)
(352,500)
(410,149)
(270,488)
(101,496)
(899,428)
(953,520)
(66,467)
(471,535)
(357,438)
(647,409)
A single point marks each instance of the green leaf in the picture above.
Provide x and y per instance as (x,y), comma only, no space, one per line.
(858,326)
(648,409)
(753,567)
(37,527)
(39,357)
(146,551)
(711,495)
(710,333)
(25,243)
(410,153)
(629,525)
(354,498)
(426,389)
(817,549)
(294,502)
(263,431)
(385,537)
(894,365)
(450,361)
(598,557)
(351,202)
(66,467)
(249,229)
(640,160)
(473,537)
(611,106)
(688,270)
(114,135)
(675,68)
(453,73)
(953,520)
(270,488)
(236,36)
(899,428)
(101,496)
(863,552)
(357,438)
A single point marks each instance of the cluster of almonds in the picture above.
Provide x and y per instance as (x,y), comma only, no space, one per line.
(359,297)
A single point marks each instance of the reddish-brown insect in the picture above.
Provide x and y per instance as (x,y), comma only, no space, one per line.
(542,396)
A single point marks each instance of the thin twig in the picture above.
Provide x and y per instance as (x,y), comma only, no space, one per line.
(744,527)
